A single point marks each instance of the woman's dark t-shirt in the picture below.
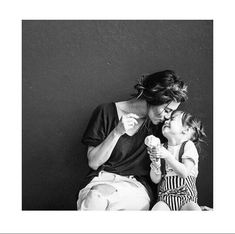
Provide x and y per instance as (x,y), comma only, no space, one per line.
(129,156)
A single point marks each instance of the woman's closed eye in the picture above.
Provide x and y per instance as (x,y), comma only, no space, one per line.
(168,111)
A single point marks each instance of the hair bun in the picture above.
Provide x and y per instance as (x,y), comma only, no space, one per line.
(139,87)
(160,88)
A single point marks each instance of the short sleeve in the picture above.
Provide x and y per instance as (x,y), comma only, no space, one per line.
(190,151)
(95,131)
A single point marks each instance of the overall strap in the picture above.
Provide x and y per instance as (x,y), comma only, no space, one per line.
(181,152)
(163,163)
(163,167)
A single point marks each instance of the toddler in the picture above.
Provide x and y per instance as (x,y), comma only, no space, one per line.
(177,169)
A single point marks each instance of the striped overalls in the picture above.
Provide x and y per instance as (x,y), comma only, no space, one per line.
(176,191)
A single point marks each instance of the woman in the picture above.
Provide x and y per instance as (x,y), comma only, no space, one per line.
(115,139)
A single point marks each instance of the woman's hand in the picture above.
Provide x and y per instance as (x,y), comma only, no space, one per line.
(126,122)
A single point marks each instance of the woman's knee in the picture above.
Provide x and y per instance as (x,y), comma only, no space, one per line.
(96,198)
(191,206)
(104,189)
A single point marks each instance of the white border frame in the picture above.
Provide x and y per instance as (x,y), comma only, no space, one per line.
(13,219)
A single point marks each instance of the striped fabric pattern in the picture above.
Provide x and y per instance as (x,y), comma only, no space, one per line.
(176,191)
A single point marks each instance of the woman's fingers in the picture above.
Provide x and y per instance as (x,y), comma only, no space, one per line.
(152,158)
(129,121)
(132,122)
(132,118)
(131,115)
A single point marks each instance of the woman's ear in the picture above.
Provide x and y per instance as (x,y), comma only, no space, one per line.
(186,130)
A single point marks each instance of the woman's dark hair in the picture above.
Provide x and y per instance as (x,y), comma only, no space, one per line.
(196,125)
(160,88)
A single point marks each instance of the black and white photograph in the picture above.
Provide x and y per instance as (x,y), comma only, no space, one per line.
(117,115)
(114,112)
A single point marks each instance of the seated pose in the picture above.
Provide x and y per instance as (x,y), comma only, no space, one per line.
(116,153)
(178,168)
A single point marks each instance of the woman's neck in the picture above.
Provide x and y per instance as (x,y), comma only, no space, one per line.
(138,107)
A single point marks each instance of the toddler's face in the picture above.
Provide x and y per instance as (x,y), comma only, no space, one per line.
(173,126)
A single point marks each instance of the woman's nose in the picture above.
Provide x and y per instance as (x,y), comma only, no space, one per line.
(167,120)
(167,116)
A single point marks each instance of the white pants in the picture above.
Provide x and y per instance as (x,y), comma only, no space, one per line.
(129,193)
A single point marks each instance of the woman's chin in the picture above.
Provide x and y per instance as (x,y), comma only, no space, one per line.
(156,121)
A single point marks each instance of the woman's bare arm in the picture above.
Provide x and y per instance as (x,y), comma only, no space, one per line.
(100,154)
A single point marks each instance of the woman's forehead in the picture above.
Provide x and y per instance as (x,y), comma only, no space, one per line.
(173,105)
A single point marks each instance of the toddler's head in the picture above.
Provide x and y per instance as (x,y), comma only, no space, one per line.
(183,126)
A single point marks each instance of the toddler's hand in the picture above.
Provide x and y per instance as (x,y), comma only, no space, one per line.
(162,152)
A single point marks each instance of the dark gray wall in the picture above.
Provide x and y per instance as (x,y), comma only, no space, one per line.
(69,67)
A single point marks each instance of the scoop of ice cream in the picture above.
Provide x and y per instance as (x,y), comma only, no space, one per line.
(152,141)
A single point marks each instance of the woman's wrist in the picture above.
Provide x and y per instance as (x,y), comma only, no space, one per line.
(156,163)
(156,168)
(116,133)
